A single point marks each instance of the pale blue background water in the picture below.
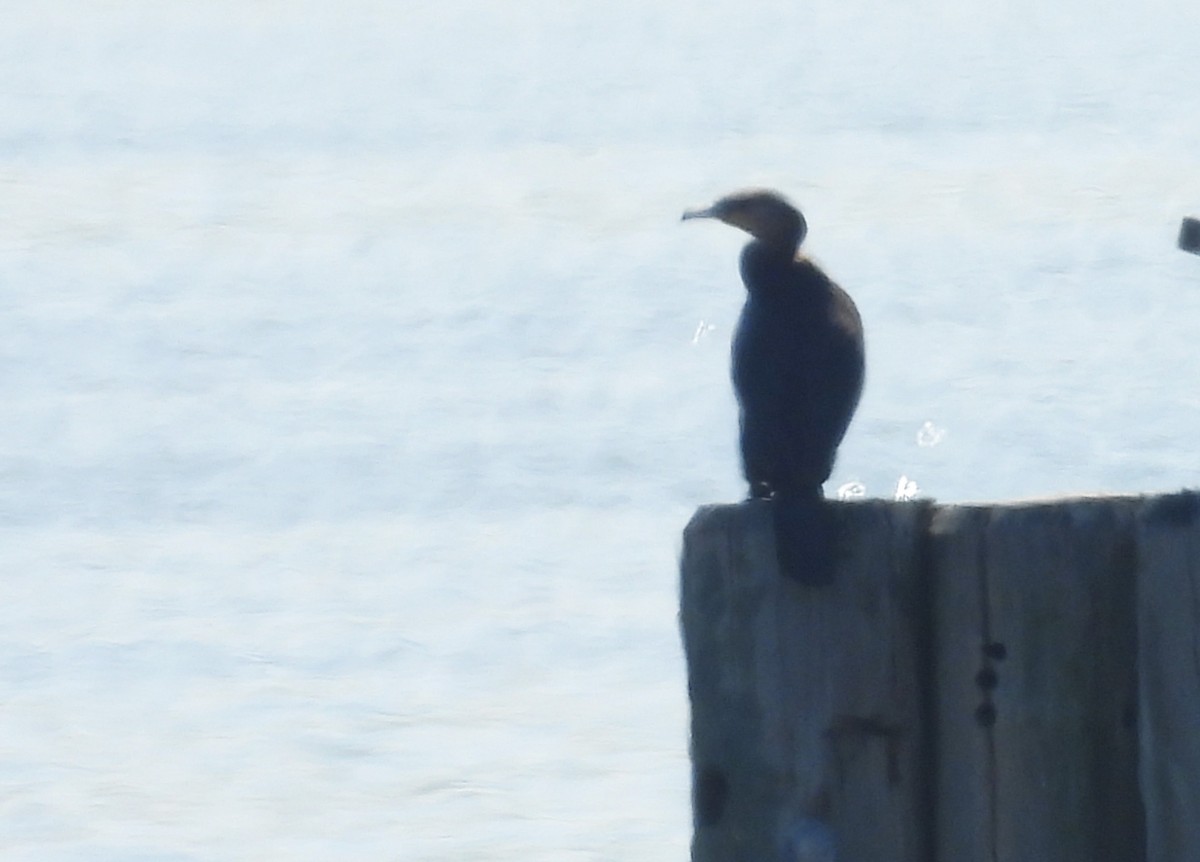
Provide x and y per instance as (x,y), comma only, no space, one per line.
(358,377)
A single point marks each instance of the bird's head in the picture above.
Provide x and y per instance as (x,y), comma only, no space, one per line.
(764,214)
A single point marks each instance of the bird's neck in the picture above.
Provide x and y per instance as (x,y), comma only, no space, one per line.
(763,264)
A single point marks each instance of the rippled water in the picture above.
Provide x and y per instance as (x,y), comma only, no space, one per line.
(359,378)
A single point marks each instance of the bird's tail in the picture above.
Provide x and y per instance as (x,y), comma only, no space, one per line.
(805,536)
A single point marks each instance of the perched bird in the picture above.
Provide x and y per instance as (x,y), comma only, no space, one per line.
(798,365)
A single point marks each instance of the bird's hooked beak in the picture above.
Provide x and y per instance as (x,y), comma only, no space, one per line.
(707,212)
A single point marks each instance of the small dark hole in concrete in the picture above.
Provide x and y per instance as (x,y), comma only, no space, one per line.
(985,715)
(711,793)
(986,679)
(996,651)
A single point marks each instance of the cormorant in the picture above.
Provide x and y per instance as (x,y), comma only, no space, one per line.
(798,366)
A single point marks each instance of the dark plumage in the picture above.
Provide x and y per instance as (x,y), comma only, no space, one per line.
(798,373)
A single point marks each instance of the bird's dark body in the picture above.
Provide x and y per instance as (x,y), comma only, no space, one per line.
(798,365)
(797,371)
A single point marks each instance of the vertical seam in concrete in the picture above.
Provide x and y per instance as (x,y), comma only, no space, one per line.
(924,586)
(985,621)
(1195,597)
